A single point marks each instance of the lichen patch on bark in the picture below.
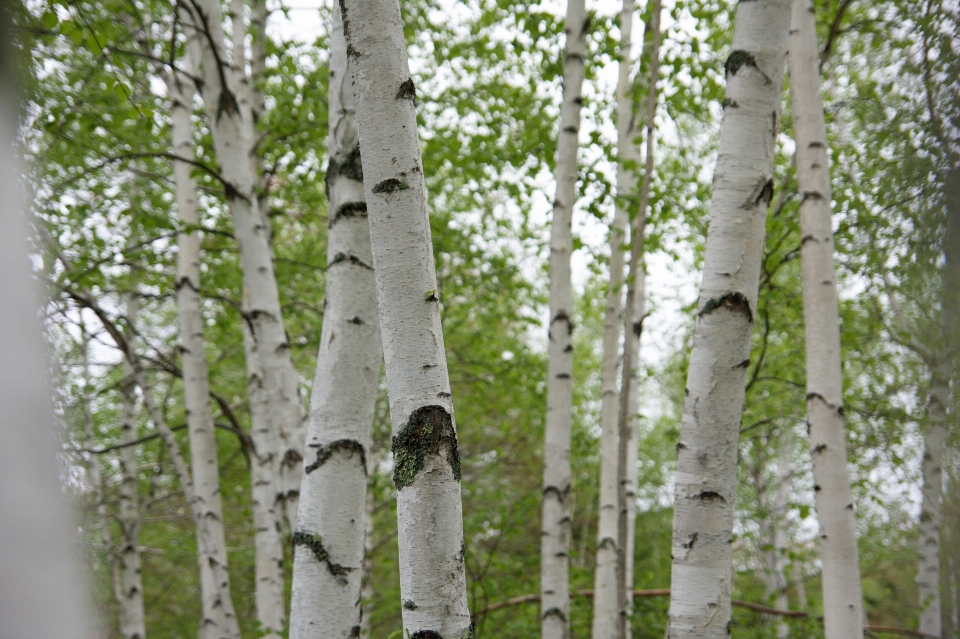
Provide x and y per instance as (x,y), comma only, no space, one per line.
(428,431)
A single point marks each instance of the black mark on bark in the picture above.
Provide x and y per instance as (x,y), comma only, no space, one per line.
(737,59)
(314,543)
(428,431)
(407,91)
(391,185)
(348,446)
(734,301)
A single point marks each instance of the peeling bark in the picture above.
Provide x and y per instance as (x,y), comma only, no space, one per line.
(333,493)
(842,595)
(708,448)
(429,516)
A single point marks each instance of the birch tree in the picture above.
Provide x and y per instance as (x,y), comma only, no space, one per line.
(196,385)
(36,560)
(425,453)
(633,318)
(708,448)
(555,535)
(132,621)
(842,595)
(329,541)
(605,578)
(272,380)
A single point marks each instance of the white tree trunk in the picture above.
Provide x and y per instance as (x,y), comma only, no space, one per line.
(774,533)
(708,448)
(842,597)
(555,532)
(366,587)
(96,476)
(196,386)
(272,379)
(633,322)
(132,620)
(426,459)
(40,591)
(331,530)
(605,576)
(633,424)
(928,576)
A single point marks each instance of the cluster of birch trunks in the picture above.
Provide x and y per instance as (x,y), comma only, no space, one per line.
(310,468)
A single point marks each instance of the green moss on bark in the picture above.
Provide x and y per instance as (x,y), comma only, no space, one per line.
(428,432)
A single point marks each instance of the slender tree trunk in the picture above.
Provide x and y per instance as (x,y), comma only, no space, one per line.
(426,459)
(773,534)
(366,588)
(272,379)
(96,480)
(708,447)
(842,596)
(632,326)
(633,425)
(555,533)
(331,531)
(196,386)
(132,619)
(605,577)
(928,575)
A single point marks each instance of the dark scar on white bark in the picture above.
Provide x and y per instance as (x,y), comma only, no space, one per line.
(409,604)
(350,209)
(340,258)
(555,612)
(837,409)
(347,446)
(407,91)
(391,185)
(710,496)
(351,167)
(729,103)
(426,634)
(428,431)
(354,632)
(561,495)
(314,543)
(734,301)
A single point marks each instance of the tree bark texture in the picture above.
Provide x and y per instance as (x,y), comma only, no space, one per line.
(425,454)
(605,576)
(205,472)
(842,596)
(555,532)
(773,533)
(272,380)
(934,441)
(331,530)
(708,447)
(132,619)
(627,422)
(633,424)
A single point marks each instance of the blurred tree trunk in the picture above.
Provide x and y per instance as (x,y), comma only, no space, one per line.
(433,587)
(331,530)
(842,596)
(555,534)
(709,440)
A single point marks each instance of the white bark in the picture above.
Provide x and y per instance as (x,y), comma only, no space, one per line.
(605,576)
(40,585)
(555,532)
(272,379)
(427,462)
(331,530)
(708,448)
(842,596)
(633,425)
(773,529)
(196,385)
(633,322)
(934,440)
(132,620)
(96,476)
(366,587)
